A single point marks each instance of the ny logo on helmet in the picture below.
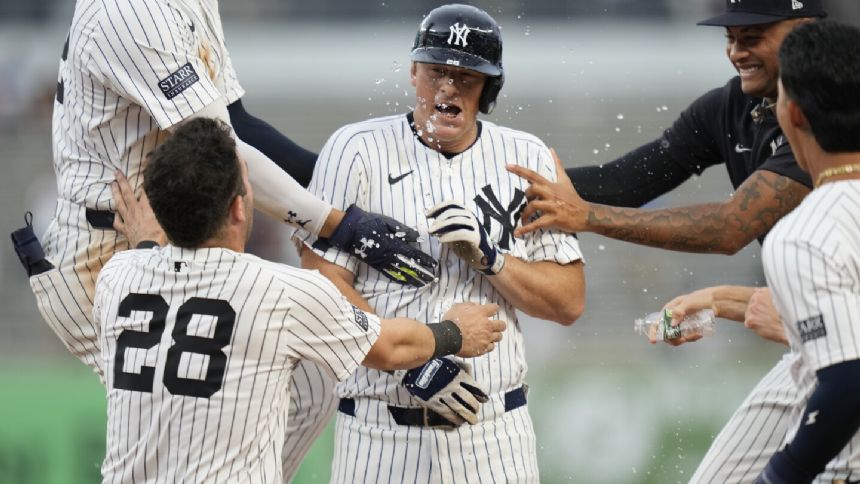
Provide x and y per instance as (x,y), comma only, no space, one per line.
(459,34)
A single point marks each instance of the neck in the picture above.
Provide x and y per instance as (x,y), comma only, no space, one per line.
(231,241)
(830,167)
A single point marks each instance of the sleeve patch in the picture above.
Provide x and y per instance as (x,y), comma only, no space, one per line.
(178,81)
(811,328)
(360,318)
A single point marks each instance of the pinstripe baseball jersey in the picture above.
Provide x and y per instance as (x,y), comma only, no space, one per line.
(382,166)
(812,264)
(129,70)
(198,348)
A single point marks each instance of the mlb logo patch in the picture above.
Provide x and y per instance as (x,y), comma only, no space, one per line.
(178,81)
(360,318)
(811,328)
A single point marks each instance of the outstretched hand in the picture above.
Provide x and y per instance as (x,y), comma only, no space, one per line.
(557,205)
(134,217)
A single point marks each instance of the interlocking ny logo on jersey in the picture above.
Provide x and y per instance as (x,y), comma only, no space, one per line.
(459,34)
(492,209)
(178,81)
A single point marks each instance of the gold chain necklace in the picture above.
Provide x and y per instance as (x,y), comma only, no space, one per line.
(837,170)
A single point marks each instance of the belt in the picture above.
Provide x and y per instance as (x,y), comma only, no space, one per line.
(423,417)
(100,219)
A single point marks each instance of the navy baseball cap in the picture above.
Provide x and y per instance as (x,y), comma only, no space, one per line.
(755,12)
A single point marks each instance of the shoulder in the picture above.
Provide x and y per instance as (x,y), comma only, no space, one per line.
(296,280)
(521,139)
(368,127)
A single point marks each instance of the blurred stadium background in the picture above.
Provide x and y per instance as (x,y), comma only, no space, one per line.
(592,78)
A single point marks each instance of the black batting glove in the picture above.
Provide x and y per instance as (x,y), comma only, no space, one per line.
(386,245)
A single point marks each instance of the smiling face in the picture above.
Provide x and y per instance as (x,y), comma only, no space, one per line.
(754,52)
(446,110)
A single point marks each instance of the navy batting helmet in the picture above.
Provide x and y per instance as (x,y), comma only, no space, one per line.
(463,36)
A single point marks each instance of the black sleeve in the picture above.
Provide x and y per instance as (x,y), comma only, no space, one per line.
(292,158)
(782,162)
(830,420)
(688,147)
(630,181)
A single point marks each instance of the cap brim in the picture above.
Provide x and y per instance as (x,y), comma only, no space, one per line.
(451,57)
(737,19)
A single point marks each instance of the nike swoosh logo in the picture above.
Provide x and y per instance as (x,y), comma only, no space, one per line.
(392,180)
(739,148)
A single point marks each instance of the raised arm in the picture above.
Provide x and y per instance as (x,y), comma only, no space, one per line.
(723,227)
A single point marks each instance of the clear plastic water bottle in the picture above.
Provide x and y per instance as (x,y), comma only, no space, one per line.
(658,326)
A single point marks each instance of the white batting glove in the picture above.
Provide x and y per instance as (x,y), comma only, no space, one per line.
(457,226)
(447,387)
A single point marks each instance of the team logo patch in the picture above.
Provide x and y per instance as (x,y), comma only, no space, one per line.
(811,328)
(427,374)
(360,318)
(178,81)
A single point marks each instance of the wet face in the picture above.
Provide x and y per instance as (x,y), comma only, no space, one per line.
(754,52)
(446,110)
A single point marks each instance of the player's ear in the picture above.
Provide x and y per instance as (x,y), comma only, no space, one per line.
(237,213)
(796,116)
(413,72)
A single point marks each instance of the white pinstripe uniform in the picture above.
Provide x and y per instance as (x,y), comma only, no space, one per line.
(198,347)
(812,263)
(381,165)
(130,70)
(766,419)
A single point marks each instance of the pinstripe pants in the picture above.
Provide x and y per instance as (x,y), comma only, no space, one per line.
(372,448)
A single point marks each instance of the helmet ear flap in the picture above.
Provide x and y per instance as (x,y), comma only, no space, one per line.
(492,87)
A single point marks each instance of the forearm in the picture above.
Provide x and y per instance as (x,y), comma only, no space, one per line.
(714,227)
(278,195)
(340,277)
(545,290)
(402,344)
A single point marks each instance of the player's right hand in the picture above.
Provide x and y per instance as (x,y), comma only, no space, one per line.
(480,333)
(762,317)
(552,205)
(134,217)
(386,245)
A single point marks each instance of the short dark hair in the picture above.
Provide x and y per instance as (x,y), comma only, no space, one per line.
(820,71)
(191,180)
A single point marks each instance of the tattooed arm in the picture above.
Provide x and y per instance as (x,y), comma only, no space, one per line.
(724,227)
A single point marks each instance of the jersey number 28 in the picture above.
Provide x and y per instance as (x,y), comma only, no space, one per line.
(183,343)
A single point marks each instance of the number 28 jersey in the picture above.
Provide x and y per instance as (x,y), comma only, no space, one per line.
(198,347)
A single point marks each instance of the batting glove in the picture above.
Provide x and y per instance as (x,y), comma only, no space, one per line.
(386,245)
(457,226)
(447,388)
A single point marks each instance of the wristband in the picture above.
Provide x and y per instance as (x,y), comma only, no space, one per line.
(449,339)
(497,266)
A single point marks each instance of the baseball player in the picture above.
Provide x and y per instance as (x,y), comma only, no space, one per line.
(734,125)
(131,71)
(208,402)
(812,256)
(441,170)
